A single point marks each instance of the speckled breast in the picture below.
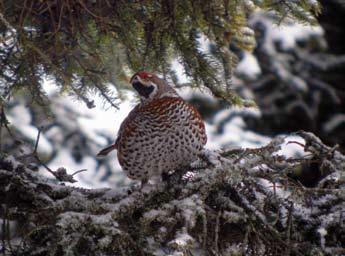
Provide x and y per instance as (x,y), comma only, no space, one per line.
(159,136)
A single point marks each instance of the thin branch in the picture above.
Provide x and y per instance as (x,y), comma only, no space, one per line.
(60,174)
(37,140)
(76,172)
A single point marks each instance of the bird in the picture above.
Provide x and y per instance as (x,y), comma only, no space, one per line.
(162,134)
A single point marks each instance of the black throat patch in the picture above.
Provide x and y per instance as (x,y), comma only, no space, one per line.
(143,90)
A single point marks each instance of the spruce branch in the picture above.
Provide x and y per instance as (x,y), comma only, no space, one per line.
(224,208)
(98,40)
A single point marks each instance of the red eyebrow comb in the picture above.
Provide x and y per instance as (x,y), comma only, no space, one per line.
(142,74)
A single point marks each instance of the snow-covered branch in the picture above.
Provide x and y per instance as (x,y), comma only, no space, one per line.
(246,202)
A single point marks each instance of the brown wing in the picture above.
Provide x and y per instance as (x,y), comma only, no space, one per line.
(200,123)
(162,105)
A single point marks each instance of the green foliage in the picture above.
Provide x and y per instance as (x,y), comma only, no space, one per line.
(87,46)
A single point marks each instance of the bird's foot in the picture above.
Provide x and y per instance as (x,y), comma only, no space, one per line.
(144,182)
(134,187)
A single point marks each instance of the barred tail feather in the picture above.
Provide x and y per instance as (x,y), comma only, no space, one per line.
(106,151)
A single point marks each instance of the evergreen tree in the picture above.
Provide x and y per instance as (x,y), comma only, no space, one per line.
(85,45)
(239,202)
(300,86)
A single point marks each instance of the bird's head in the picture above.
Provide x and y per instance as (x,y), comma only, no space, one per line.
(150,86)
